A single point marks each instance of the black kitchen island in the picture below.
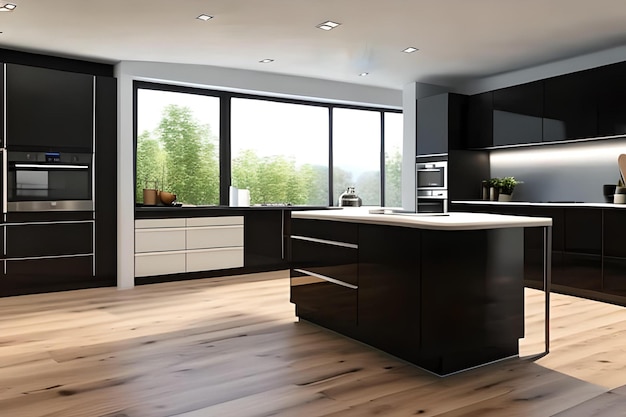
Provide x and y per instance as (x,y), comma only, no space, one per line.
(443,292)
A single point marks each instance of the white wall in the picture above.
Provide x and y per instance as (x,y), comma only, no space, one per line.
(211,78)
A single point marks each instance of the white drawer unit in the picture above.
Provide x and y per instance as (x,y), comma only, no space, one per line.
(159,223)
(207,237)
(169,246)
(159,239)
(159,263)
(208,259)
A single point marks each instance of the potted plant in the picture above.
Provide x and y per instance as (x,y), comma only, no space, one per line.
(494,188)
(507,185)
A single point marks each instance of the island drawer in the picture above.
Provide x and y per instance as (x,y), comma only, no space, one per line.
(326,230)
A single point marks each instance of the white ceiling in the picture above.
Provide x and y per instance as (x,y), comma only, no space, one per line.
(458,39)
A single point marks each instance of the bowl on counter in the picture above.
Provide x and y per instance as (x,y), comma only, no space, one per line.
(167,198)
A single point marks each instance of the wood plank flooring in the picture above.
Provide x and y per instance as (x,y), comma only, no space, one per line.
(233,347)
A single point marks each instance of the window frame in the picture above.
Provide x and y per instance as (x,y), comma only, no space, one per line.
(225,129)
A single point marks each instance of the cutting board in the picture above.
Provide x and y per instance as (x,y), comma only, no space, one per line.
(621,162)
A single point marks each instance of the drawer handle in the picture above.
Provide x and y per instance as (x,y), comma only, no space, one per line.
(326,242)
(325,278)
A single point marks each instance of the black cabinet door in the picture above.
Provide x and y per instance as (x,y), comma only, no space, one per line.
(49,239)
(432,125)
(264,240)
(324,274)
(480,121)
(106,178)
(441,124)
(570,107)
(48,109)
(582,254)
(517,114)
(614,259)
(28,276)
(389,289)
(612,99)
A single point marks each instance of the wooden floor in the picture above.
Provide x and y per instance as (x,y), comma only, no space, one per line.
(233,347)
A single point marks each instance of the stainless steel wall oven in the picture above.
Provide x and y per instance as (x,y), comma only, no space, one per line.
(431,179)
(46,181)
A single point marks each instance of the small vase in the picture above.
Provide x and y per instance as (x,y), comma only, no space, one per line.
(504,197)
(493,194)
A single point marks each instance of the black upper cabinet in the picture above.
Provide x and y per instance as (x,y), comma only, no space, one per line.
(440,123)
(480,121)
(612,99)
(570,107)
(48,109)
(517,114)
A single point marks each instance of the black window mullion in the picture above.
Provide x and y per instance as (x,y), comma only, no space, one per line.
(225,151)
(331,197)
(382,158)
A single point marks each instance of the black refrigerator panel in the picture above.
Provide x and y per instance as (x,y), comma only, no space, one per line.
(2,106)
(48,110)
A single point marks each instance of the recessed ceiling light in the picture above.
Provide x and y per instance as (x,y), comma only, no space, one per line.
(7,7)
(328,25)
(409,50)
(364,74)
(204,17)
(266,61)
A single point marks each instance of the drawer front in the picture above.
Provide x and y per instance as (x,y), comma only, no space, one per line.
(49,239)
(155,240)
(331,260)
(214,221)
(214,237)
(325,229)
(324,302)
(50,270)
(207,260)
(159,223)
(159,263)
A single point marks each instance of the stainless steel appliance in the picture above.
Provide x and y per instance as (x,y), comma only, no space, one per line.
(46,181)
(432,187)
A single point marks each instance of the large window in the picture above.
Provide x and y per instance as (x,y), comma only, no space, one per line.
(393,159)
(279,151)
(356,154)
(196,143)
(178,145)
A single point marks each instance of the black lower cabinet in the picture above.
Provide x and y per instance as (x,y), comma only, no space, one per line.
(49,239)
(321,301)
(28,276)
(389,289)
(264,236)
(324,275)
(472,301)
(614,259)
(445,301)
(48,255)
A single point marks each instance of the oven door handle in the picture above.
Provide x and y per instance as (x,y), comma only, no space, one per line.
(428,170)
(50,167)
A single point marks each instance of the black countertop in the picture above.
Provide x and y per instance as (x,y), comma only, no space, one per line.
(142,211)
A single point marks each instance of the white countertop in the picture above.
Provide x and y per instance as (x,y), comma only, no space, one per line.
(450,221)
(528,203)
